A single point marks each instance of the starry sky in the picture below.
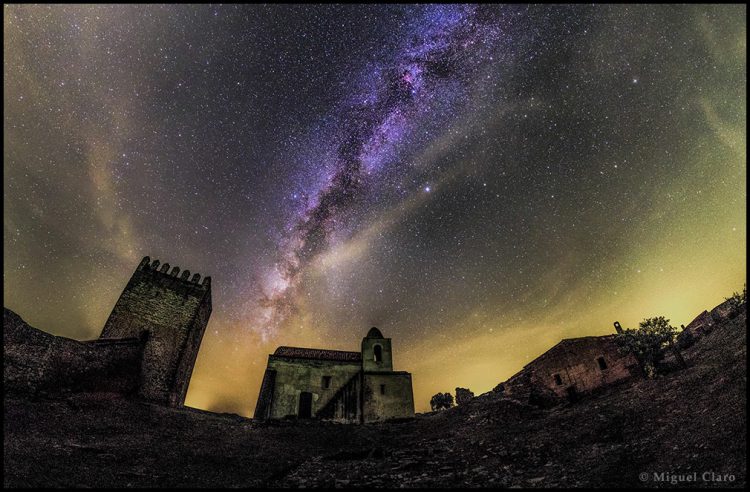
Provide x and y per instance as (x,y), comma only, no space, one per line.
(476,181)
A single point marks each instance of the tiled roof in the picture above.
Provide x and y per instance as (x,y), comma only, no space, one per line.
(319,354)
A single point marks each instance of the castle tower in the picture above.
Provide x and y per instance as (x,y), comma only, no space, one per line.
(171,313)
(376,352)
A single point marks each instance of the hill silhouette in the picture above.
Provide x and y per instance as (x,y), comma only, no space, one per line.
(641,433)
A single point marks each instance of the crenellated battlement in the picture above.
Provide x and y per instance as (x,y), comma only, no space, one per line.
(156,266)
(168,311)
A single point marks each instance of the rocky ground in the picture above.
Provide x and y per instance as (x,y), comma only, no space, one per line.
(688,426)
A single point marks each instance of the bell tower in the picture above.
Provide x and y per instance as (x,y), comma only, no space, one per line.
(376,352)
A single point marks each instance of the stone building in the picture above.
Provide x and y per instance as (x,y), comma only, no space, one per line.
(572,367)
(147,348)
(704,322)
(351,387)
(700,325)
(169,311)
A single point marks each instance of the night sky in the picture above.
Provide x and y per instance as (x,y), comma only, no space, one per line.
(476,181)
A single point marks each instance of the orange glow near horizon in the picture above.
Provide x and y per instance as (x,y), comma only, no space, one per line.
(477,181)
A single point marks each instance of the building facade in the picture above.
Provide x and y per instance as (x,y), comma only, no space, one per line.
(572,367)
(351,387)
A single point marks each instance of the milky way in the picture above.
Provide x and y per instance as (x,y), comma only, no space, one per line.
(446,49)
(477,181)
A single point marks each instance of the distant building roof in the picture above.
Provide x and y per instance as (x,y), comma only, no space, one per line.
(568,342)
(701,320)
(318,354)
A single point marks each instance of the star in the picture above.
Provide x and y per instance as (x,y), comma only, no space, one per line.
(287,150)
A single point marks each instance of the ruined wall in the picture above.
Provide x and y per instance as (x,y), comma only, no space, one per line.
(704,322)
(725,310)
(37,362)
(174,311)
(575,361)
(571,367)
(387,395)
(189,353)
(701,323)
(293,376)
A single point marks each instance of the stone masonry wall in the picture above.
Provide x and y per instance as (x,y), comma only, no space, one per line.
(576,364)
(368,359)
(174,310)
(294,376)
(571,366)
(37,362)
(387,395)
(702,322)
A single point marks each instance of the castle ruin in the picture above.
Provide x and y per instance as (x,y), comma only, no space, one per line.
(147,348)
(572,367)
(169,311)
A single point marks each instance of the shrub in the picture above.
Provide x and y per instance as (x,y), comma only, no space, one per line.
(463,395)
(441,401)
(737,302)
(648,341)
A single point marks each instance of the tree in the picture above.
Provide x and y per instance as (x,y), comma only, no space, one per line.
(648,342)
(441,401)
(463,395)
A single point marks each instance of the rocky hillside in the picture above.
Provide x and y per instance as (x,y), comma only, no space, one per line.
(684,424)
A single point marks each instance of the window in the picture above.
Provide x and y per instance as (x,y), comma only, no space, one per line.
(602,363)
(326,382)
(378,350)
(382,389)
(558,379)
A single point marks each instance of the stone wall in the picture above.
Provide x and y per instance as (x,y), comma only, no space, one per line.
(573,367)
(37,362)
(265,395)
(702,322)
(173,311)
(387,395)
(723,311)
(344,405)
(576,362)
(294,376)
